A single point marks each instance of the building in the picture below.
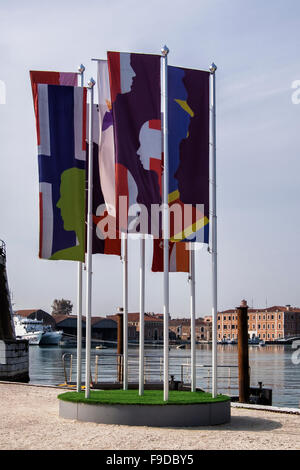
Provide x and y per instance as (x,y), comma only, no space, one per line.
(269,324)
(102,328)
(182,329)
(153,326)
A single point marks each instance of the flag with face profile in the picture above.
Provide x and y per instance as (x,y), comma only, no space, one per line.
(188,139)
(136,113)
(105,239)
(179,257)
(61,135)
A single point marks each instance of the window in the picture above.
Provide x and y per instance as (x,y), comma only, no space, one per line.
(264,327)
(224,318)
(219,318)
(225,327)
(229,318)
(218,327)
(273,326)
(253,327)
(279,326)
(258,326)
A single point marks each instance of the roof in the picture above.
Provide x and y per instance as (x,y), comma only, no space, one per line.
(186,321)
(280,308)
(59,318)
(135,317)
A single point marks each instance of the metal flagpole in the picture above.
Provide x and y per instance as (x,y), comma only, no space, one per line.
(89,246)
(212,70)
(81,70)
(165,52)
(125,309)
(193,313)
(142,315)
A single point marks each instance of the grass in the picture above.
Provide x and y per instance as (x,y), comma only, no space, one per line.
(131,397)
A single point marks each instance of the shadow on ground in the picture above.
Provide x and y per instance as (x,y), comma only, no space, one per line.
(241,423)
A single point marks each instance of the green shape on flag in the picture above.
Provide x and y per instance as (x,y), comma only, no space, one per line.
(72,208)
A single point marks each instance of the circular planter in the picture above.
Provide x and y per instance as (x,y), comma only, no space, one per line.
(197,414)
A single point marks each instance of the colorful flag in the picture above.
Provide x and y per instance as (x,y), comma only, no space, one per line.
(61,134)
(49,78)
(101,243)
(188,113)
(106,145)
(136,111)
(179,260)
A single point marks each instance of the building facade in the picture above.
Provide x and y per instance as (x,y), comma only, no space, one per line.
(181,327)
(268,324)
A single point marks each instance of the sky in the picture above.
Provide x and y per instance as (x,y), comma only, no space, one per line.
(255,45)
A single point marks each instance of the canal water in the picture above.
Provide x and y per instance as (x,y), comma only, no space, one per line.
(273,365)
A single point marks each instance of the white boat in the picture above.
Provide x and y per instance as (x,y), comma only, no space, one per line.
(35,331)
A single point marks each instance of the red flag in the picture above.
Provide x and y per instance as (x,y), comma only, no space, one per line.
(179,260)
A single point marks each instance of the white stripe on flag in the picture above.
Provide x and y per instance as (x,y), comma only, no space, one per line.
(47,220)
(78,123)
(106,147)
(44,147)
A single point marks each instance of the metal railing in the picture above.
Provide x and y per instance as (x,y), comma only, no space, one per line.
(108,368)
(227,376)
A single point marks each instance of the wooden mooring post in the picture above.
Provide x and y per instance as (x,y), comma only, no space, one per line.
(243,353)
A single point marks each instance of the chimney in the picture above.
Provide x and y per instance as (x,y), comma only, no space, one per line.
(288,307)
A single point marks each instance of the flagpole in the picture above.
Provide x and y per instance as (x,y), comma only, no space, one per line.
(81,70)
(142,315)
(89,246)
(125,309)
(165,52)
(212,70)
(193,314)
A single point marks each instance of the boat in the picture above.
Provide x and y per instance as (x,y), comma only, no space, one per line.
(232,341)
(35,331)
(50,336)
(255,341)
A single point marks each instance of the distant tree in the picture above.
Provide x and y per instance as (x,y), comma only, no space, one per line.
(62,307)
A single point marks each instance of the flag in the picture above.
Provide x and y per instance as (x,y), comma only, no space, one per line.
(49,78)
(188,139)
(136,111)
(179,260)
(61,135)
(101,243)
(106,145)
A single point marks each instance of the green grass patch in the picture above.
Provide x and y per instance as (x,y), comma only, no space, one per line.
(150,397)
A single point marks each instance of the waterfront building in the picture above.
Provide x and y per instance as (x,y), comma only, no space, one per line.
(269,324)
(153,326)
(182,328)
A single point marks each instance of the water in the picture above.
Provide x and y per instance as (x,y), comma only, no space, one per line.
(271,365)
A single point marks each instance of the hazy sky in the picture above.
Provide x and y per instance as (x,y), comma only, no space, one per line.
(256,46)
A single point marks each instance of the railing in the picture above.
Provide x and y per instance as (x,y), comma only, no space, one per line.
(227,376)
(108,368)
